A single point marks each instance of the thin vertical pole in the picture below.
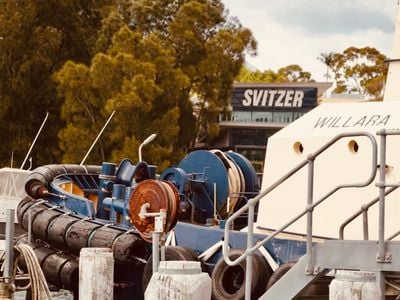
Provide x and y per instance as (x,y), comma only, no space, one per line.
(97,138)
(249,254)
(215,201)
(310,196)
(34,141)
(156,250)
(382,163)
(365,224)
(8,268)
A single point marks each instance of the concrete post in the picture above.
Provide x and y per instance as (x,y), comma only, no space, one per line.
(96,274)
(357,285)
(179,280)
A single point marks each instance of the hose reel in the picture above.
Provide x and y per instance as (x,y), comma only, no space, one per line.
(148,199)
(212,183)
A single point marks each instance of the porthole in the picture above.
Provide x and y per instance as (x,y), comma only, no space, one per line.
(353,146)
(298,148)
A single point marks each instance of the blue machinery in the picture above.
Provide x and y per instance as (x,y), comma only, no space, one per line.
(205,186)
(116,207)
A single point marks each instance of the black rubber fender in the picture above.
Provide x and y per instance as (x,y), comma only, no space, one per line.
(57,228)
(42,221)
(313,290)
(282,270)
(52,266)
(23,207)
(42,176)
(69,274)
(171,253)
(59,269)
(193,256)
(228,282)
(77,235)
(130,249)
(104,237)
(35,211)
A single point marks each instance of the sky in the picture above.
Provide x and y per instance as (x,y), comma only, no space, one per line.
(298,31)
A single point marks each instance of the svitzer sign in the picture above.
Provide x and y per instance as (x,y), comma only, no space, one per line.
(257,98)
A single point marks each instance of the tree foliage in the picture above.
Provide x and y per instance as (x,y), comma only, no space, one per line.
(154,57)
(36,39)
(328,60)
(80,60)
(209,50)
(136,78)
(290,73)
(359,70)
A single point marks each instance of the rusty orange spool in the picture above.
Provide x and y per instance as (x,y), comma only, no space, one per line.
(157,195)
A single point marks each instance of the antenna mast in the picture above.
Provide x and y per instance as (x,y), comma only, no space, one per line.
(97,138)
(34,141)
(392,92)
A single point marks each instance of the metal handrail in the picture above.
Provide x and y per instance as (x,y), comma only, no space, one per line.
(383,192)
(309,209)
(381,184)
(362,210)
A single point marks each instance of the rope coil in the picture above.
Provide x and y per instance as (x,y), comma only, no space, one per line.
(39,288)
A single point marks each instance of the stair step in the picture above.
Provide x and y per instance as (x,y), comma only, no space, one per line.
(320,288)
(320,297)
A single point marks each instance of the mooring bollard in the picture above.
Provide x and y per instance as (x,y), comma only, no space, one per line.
(181,280)
(96,274)
(357,285)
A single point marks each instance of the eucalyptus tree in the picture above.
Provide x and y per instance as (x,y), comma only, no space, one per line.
(290,73)
(209,49)
(360,70)
(153,58)
(36,39)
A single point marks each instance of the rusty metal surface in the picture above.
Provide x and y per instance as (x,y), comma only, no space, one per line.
(147,192)
(173,205)
(157,195)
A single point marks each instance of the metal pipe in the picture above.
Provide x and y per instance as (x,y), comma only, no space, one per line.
(215,201)
(310,208)
(382,162)
(393,235)
(162,250)
(364,207)
(97,138)
(145,142)
(9,257)
(34,141)
(156,250)
(249,254)
(365,224)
